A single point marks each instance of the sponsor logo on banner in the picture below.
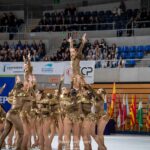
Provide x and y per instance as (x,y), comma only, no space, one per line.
(13,68)
(86,69)
(48,68)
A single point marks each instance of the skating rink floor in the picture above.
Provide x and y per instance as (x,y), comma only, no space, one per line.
(115,142)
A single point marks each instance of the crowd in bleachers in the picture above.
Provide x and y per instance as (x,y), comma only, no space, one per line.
(9,22)
(74,20)
(105,55)
(96,51)
(15,52)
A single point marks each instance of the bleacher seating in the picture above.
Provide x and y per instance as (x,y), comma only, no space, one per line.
(89,20)
(10,23)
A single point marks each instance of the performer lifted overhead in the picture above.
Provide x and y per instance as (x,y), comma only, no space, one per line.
(76,56)
(27,67)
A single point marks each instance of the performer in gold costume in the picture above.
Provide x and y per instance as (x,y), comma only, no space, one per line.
(72,119)
(13,117)
(76,56)
(43,120)
(2,120)
(102,119)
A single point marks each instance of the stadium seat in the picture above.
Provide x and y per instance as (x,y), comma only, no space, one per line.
(140,48)
(132,48)
(130,63)
(140,55)
(147,48)
(131,55)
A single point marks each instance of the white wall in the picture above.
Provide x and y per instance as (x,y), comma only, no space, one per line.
(122,75)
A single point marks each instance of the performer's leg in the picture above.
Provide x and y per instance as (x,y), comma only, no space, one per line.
(7,128)
(67,133)
(33,133)
(93,134)
(76,135)
(16,137)
(86,134)
(1,130)
(40,134)
(1,127)
(36,132)
(10,137)
(101,127)
(52,131)
(26,136)
(60,133)
(19,128)
(46,129)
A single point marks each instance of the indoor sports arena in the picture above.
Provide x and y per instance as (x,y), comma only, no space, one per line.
(75,75)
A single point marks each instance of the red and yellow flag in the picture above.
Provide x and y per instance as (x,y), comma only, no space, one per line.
(113,99)
(132,112)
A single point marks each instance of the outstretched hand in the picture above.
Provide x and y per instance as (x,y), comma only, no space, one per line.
(29,56)
(70,40)
(24,59)
(84,38)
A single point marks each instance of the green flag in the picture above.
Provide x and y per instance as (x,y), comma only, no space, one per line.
(140,115)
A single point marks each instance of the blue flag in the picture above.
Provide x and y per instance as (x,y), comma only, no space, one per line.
(105,104)
(10,82)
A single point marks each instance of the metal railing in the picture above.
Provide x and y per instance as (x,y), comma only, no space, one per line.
(126,63)
(9,29)
(95,25)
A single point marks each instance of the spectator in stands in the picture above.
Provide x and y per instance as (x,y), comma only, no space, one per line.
(9,22)
(35,56)
(15,52)
(121,63)
(103,44)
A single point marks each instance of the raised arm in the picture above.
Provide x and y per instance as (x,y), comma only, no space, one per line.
(82,43)
(71,42)
(29,64)
(60,85)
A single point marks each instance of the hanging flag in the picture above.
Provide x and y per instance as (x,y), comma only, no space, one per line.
(105,104)
(132,113)
(140,115)
(135,108)
(113,99)
(127,105)
(119,117)
(124,111)
(148,115)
